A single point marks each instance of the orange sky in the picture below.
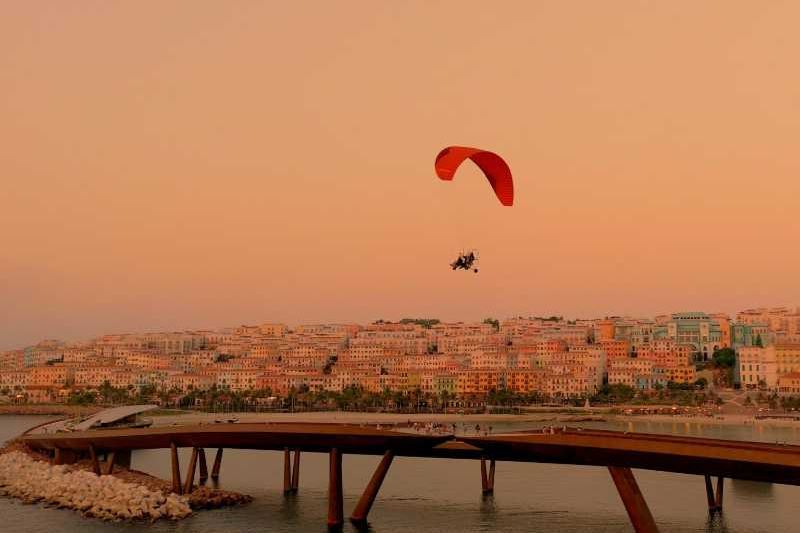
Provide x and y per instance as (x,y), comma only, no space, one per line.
(196,164)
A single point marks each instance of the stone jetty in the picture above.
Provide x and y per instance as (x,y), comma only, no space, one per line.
(124,495)
(105,497)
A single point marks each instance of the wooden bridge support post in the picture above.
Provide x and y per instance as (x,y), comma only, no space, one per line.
(110,464)
(484,477)
(359,516)
(287,472)
(632,498)
(335,496)
(487,480)
(712,505)
(187,488)
(176,470)
(95,462)
(296,472)
(203,466)
(64,457)
(217,464)
(714,500)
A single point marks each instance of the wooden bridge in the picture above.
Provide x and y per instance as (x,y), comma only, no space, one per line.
(618,451)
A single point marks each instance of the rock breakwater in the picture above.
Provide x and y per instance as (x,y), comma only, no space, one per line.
(105,497)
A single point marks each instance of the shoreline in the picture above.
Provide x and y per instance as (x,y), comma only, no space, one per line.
(366,418)
(527,416)
(363,418)
(725,420)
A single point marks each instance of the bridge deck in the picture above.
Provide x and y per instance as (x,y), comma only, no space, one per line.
(669,453)
(753,461)
(254,436)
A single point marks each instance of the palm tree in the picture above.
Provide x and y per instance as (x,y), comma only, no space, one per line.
(444,397)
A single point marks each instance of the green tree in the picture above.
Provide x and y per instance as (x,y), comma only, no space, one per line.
(424,322)
(444,397)
(617,393)
(501,397)
(494,323)
(551,318)
(773,401)
(81,397)
(724,358)
(145,393)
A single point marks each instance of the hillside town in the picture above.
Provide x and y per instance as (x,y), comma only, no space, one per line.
(529,358)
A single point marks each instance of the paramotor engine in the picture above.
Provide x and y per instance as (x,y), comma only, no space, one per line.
(466,261)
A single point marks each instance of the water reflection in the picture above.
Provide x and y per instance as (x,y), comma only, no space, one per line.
(290,508)
(488,507)
(487,513)
(716,524)
(363,528)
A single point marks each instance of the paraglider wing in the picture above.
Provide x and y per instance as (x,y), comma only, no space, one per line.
(494,168)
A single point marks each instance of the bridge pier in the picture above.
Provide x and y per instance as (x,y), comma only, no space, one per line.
(95,462)
(217,465)
(296,472)
(112,456)
(632,498)
(187,489)
(176,470)
(714,500)
(203,466)
(64,457)
(291,472)
(359,516)
(335,496)
(287,471)
(487,480)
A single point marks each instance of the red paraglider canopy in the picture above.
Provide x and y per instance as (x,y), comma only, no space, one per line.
(492,165)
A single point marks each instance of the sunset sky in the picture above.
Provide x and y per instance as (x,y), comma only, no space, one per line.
(167,165)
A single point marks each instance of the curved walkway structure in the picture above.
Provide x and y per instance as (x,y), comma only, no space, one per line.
(617,451)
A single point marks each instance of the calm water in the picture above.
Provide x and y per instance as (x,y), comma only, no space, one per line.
(426,495)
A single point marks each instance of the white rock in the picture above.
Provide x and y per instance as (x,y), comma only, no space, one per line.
(106,497)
